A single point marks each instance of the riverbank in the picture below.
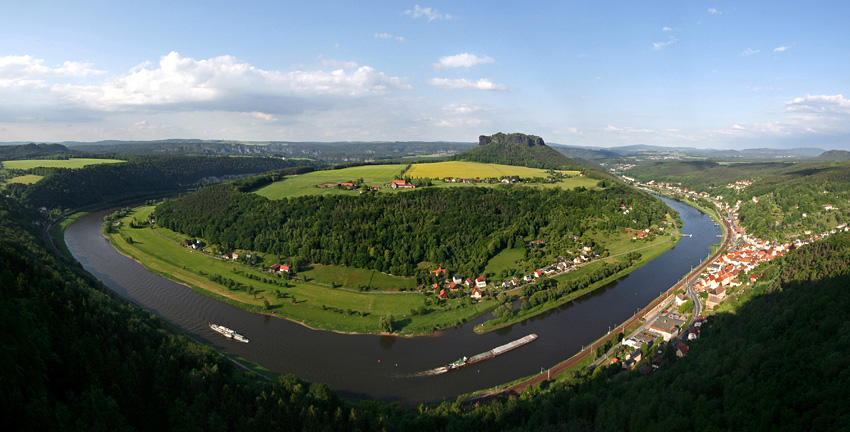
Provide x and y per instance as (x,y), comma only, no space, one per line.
(584,357)
(311,305)
(647,255)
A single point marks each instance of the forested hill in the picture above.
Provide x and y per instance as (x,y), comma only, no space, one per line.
(34,151)
(517,149)
(459,227)
(780,200)
(141,177)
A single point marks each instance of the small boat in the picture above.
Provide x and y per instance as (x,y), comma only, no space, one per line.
(228,333)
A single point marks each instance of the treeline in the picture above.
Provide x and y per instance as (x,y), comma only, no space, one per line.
(458,228)
(140,177)
(35,151)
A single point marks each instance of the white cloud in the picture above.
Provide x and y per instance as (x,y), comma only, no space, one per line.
(338,64)
(461,108)
(389,36)
(819,104)
(466,60)
(806,121)
(626,130)
(466,84)
(780,49)
(261,116)
(659,45)
(225,83)
(714,11)
(27,67)
(666,29)
(749,51)
(427,12)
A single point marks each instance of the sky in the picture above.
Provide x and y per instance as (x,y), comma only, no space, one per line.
(705,74)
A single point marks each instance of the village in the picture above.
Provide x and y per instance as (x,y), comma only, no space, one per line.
(726,276)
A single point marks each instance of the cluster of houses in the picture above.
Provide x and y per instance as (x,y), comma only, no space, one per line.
(457,283)
(670,328)
(725,272)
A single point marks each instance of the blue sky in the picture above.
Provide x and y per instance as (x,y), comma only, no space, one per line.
(670,73)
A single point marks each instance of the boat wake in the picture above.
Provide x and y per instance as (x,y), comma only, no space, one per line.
(429,372)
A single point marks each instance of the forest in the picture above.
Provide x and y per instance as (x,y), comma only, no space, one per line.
(139,177)
(75,358)
(458,228)
(791,198)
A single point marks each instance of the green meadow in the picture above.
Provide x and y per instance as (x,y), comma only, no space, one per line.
(341,309)
(312,183)
(324,182)
(26,179)
(48,163)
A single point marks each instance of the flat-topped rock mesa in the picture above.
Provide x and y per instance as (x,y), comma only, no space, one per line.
(512,138)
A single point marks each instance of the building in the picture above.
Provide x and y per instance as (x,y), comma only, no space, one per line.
(666,327)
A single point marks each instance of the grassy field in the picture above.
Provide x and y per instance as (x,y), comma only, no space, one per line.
(313,305)
(353,277)
(26,179)
(504,260)
(647,256)
(70,163)
(307,184)
(459,169)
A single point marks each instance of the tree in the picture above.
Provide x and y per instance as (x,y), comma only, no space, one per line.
(266,303)
(387,323)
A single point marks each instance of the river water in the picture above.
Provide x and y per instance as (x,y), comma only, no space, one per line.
(389,368)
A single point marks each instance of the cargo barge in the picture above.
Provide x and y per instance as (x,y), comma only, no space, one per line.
(466,361)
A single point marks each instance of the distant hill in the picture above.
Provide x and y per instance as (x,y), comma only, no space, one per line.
(834,155)
(517,149)
(33,151)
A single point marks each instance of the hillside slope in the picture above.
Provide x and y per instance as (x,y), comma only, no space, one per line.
(517,149)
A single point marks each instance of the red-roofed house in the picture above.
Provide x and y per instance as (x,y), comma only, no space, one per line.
(476,294)
(481,282)
(681,349)
(396,184)
(443,294)
(439,270)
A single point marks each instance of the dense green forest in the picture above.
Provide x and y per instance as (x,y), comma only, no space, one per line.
(139,177)
(76,359)
(459,228)
(34,151)
(792,197)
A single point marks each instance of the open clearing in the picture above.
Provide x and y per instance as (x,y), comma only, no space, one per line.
(460,169)
(323,182)
(26,179)
(48,163)
(309,184)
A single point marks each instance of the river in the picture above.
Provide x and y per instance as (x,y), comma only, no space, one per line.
(388,368)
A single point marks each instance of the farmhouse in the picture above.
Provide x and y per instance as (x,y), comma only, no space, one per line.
(403,184)
(481,282)
(279,268)
(476,294)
